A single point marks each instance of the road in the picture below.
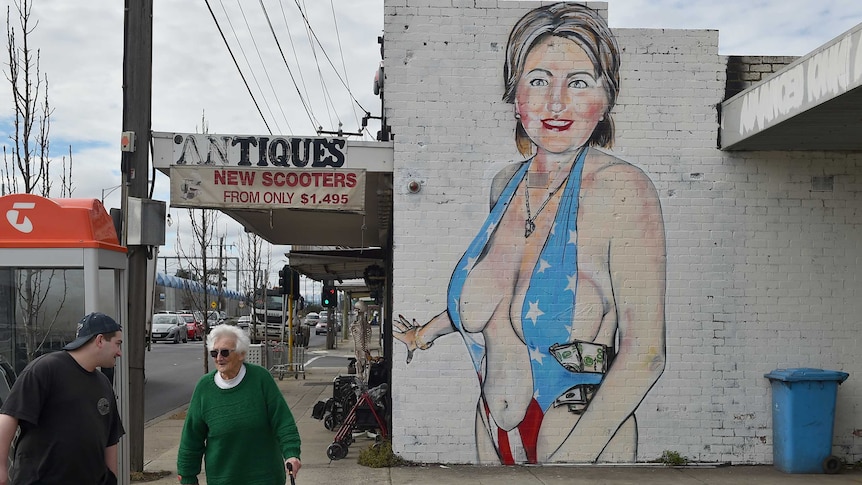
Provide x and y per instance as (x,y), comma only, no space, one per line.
(172,370)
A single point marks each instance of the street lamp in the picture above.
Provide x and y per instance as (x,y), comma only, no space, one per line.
(109,190)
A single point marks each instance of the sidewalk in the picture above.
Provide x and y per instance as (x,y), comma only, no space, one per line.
(161,439)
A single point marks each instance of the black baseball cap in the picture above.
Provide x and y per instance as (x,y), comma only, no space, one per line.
(91,325)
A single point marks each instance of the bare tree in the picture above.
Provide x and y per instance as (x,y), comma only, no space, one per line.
(203,224)
(255,262)
(26,168)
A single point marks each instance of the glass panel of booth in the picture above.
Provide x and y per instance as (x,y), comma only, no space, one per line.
(40,309)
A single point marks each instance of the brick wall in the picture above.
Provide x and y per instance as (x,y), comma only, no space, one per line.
(746,71)
(762,260)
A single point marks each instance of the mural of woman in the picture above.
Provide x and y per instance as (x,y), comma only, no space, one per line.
(560,297)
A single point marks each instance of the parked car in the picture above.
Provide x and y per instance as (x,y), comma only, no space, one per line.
(194,327)
(322,324)
(311,319)
(214,318)
(243,322)
(169,327)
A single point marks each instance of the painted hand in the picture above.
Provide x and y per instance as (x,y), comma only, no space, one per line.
(407,332)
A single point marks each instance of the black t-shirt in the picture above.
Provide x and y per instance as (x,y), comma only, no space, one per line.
(68,416)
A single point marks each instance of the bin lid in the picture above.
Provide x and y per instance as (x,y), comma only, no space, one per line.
(807,374)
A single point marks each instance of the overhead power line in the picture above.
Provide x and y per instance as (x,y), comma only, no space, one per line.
(327,99)
(293,47)
(343,82)
(341,52)
(265,70)
(235,63)
(245,57)
(292,78)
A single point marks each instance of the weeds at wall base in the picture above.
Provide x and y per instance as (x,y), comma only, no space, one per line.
(380,455)
(672,458)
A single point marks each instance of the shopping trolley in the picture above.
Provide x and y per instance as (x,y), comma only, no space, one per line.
(275,357)
(288,360)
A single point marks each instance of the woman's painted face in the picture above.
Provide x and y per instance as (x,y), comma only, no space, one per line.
(559,98)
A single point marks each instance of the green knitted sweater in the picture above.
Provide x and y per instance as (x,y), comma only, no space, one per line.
(244,433)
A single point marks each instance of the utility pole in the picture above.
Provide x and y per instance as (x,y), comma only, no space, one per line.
(220,272)
(221,278)
(330,319)
(206,312)
(137,107)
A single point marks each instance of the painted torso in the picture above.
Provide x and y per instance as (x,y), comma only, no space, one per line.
(514,298)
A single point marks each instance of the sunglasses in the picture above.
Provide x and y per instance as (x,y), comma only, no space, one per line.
(224,352)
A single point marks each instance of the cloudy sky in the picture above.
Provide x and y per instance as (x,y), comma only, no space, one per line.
(331,63)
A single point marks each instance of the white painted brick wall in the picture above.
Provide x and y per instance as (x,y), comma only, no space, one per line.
(763,272)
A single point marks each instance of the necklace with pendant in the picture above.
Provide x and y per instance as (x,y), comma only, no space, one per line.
(530,222)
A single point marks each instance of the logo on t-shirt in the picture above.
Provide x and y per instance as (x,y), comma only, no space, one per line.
(104,406)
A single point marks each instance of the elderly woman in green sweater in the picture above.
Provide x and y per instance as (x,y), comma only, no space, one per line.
(238,420)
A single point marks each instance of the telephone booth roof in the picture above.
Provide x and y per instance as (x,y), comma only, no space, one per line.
(31,221)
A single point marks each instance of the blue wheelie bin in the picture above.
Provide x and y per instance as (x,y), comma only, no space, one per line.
(803,415)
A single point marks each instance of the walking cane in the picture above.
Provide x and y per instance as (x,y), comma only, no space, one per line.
(290,472)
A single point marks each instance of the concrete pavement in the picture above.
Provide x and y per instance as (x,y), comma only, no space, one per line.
(161,439)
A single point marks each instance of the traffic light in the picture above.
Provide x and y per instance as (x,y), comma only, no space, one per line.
(284,278)
(294,288)
(328,298)
(288,282)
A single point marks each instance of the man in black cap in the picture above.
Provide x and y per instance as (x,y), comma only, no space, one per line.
(67,411)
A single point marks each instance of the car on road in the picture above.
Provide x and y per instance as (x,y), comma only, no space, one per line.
(214,318)
(243,322)
(194,326)
(169,327)
(311,319)
(321,326)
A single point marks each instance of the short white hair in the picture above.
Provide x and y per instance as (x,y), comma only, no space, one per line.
(231,331)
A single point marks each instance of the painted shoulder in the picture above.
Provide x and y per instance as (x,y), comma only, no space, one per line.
(604,163)
(502,178)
